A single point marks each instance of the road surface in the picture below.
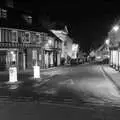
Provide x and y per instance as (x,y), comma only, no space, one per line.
(76,92)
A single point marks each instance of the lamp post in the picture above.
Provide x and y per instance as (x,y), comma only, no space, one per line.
(116,28)
(116,57)
(107,42)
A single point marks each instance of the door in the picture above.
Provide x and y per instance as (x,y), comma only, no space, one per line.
(20,60)
(3,60)
(55,59)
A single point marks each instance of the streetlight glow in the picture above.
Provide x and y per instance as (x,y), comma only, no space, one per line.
(116,28)
(107,41)
(49,42)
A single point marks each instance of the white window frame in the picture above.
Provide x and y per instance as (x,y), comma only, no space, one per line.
(25,37)
(37,34)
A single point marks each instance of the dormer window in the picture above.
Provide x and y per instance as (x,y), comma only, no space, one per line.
(28,19)
(3,13)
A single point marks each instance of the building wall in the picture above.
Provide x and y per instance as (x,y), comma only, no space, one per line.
(29,58)
(68,47)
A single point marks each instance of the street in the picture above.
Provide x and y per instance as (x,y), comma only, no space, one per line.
(73,92)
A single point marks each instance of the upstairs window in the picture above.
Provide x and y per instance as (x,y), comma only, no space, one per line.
(38,40)
(3,13)
(14,36)
(27,37)
(27,18)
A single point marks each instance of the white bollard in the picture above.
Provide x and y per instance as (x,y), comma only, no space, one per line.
(36,70)
(13,74)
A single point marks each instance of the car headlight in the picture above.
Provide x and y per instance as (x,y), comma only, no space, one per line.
(98,57)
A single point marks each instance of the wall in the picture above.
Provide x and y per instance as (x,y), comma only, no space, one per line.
(68,47)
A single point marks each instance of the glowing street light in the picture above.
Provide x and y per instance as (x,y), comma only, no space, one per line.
(107,41)
(49,42)
(116,28)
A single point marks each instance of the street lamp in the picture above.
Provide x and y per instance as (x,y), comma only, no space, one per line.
(50,42)
(116,28)
(107,41)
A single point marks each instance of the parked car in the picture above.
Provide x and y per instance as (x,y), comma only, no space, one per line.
(80,60)
(74,62)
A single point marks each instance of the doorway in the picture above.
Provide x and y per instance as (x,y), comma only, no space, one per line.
(3,60)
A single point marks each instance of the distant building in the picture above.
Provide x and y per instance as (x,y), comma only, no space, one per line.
(67,42)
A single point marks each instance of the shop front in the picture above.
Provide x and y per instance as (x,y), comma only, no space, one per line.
(49,58)
(8,57)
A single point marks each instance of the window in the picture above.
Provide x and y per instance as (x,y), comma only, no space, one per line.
(27,18)
(14,36)
(9,35)
(38,38)
(26,37)
(56,44)
(19,36)
(65,43)
(32,38)
(5,35)
(3,13)
(34,54)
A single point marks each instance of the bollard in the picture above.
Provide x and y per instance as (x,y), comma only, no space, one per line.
(36,70)
(12,75)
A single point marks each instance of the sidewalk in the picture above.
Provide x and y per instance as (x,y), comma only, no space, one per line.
(112,74)
(27,75)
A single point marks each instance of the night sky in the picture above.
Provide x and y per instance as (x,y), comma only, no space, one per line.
(87,22)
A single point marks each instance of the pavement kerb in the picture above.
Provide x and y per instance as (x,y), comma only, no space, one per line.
(110,78)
